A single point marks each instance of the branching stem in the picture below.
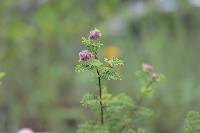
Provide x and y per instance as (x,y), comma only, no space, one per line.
(139,101)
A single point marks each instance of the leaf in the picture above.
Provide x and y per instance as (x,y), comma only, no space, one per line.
(122,101)
(117,112)
(86,41)
(99,44)
(2,74)
(88,65)
(92,127)
(131,131)
(114,62)
(106,97)
(96,63)
(140,130)
(108,73)
(142,114)
(160,77)
(83,67)
(147,91)
(192,122)
(90,100)
(91,45)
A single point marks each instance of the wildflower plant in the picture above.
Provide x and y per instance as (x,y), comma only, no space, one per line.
(115,114)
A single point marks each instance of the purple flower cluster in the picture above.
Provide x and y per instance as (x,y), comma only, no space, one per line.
(95,34)
(85,55)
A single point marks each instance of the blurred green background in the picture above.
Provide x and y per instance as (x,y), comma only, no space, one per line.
(39,45)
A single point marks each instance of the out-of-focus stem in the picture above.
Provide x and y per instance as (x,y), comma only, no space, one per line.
(139,101)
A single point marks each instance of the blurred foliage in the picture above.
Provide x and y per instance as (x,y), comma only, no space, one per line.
(192,124)
(39,42)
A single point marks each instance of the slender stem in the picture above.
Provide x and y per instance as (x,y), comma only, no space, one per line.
(139,101)
(100,92)
(100,95)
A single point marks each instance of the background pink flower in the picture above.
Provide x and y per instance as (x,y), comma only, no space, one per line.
(25,130)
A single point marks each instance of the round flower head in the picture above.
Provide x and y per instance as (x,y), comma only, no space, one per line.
(25,130)
(85,55)
(154,76)
(95,34)
(147,68)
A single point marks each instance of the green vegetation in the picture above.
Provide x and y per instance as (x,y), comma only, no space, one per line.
(192,122)
(39,42)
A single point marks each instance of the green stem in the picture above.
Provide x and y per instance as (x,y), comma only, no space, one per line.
(139,101)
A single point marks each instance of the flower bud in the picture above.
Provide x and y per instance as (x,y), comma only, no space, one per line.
(147,68)
(95,34)
(154,76)
(25,130)
(85,55)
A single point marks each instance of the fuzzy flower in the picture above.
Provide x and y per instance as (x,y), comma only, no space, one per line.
(25,130)
(95,34)
(147,68)
(85,55)
(154,76)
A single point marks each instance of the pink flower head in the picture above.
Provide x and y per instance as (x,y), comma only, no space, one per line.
(95,34)
(85,55)
(147,68)
(154,76)
(25,130)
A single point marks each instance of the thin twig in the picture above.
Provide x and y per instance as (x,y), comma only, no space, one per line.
(139,101)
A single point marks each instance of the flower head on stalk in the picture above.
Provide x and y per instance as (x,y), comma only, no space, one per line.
(85,55)
(95,34)
(147,68)
(154,76)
